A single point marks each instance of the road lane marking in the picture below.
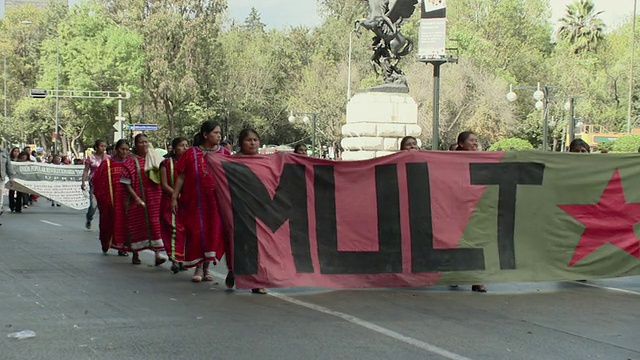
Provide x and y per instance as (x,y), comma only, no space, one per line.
(373,327)
(50,223)
(610,288)
(367,325)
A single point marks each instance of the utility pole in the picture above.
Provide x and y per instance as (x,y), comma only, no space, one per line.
(633,52)
(57,132)
(5,87)
(572,119)
(82,94)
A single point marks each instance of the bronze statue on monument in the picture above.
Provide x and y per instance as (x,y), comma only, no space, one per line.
(389,44)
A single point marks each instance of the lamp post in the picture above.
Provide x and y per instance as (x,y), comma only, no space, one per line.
(5,87)
(541,93)
(633,52)
(570,107)
(57,131)
(293,117)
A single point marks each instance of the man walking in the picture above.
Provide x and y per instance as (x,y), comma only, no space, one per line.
(5,172)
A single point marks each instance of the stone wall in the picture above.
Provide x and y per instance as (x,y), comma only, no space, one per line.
(376,123)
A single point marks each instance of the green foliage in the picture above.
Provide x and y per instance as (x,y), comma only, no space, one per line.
(581,26)
(183,65)
(510,37)
(468,102)
(253,22)
(628,143)
(607,146)
(94,54)
(511,144)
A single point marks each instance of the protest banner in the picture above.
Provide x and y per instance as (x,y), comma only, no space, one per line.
(60,183)
(425,218)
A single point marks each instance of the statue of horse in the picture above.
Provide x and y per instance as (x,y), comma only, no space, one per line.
(389,44)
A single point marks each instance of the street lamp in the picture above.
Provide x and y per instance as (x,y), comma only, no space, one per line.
(511,96)
(541,93)
(570,107)
(57,131)
(633,52)
(293,117)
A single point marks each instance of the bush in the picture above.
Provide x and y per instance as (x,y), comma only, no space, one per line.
(607,146)
(511,144)
(627,143)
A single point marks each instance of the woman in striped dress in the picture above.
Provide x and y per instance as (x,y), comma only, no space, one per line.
(197,207)
(168,220)
(109,194)
(142,204)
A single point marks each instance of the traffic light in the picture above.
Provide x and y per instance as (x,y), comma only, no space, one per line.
(38,93)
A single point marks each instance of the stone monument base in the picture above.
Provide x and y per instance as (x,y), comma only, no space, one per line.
(377,122)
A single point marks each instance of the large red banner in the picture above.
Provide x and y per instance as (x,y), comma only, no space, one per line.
(423,218)
(299,221)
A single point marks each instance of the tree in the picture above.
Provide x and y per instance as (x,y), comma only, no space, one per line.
(182,59)
(253,80)
(470,99)
(511,144)
(95,54)
(20,43)
(509,38)
(183,66)
(628,144)
(581,26)
(253,22)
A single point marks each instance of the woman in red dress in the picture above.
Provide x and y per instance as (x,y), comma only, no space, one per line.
(249,143)
(168,220)
(197,208)
(110,196)
(142,204)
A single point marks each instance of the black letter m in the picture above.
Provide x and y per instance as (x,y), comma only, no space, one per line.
(251,201)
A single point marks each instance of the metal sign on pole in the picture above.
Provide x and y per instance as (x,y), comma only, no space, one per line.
(38,93)
(80,94)
(142,127)
(432,50)
(87,94)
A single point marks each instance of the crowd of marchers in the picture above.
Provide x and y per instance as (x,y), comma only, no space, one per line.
(166,204)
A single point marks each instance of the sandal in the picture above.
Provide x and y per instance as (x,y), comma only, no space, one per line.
(260,291)
(230,281)
(122,253)
(160,261)
(174,267)
(136,259)
(479,288)
(197,275)
(207,276)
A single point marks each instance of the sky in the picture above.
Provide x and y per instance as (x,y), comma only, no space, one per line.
(277,13)
(284,13)
(615,11)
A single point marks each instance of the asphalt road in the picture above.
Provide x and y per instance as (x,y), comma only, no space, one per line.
(55,281)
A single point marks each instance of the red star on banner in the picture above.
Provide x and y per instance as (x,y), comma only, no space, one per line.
(611,220)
